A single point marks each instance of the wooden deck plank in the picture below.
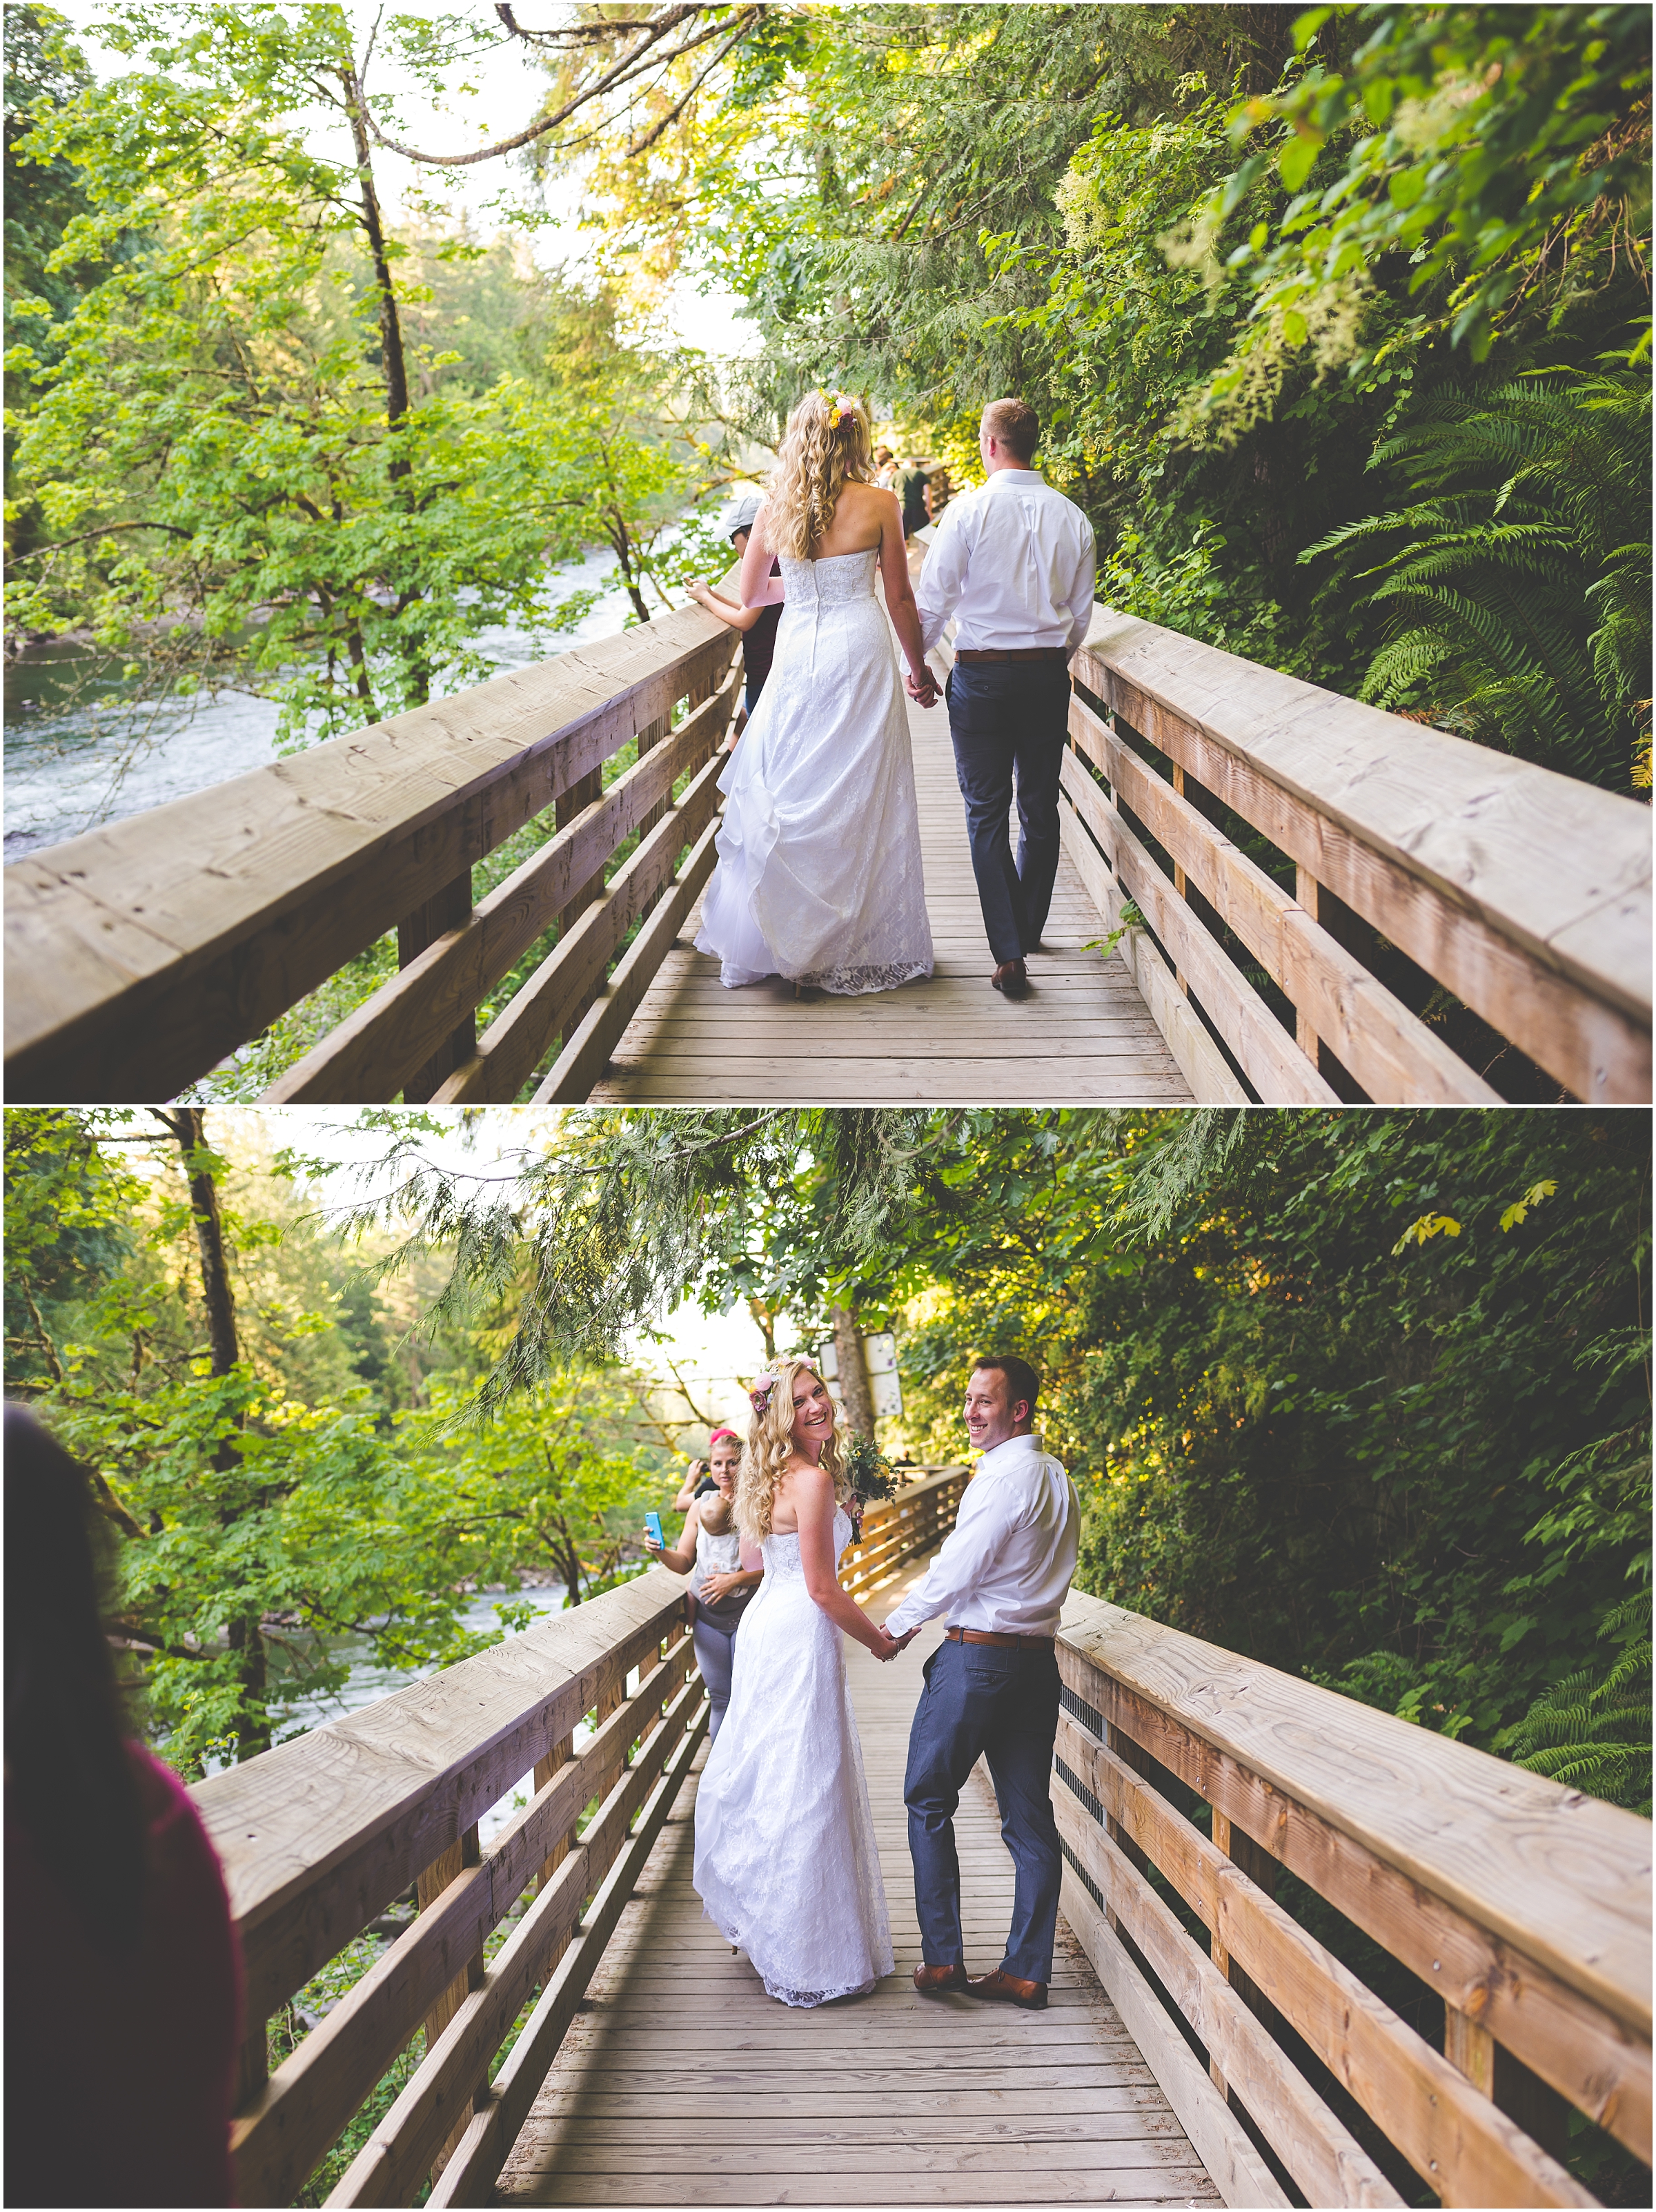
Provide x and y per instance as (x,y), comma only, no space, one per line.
(682,2082)
(1084,1035)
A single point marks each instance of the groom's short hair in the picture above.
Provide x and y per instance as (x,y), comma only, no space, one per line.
(1015,424)
(1021,1380)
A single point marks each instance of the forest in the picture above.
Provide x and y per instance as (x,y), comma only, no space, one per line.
(1338,320)
(1363,1396)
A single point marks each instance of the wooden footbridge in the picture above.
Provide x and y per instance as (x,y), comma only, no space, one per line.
(584,2037)
(1300,888)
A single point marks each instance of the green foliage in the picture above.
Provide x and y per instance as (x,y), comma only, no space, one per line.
(1315,1372)
(613,1224)
(1517,586)
(938,206)
(255,454)
(284,1514)
(1592,1731)
(1497,150)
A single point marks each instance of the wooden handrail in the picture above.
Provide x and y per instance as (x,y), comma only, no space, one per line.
(319,1836)
(1525,1905)
(1524,893)
(139,955)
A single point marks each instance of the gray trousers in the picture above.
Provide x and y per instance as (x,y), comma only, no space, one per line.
(715,1647)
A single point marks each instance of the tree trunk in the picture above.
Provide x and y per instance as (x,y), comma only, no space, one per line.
(854,1393)
(765,1321)
(187,1126)
(393,363)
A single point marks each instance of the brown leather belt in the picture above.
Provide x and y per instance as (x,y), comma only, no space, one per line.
(1013,653)
(1001,1643)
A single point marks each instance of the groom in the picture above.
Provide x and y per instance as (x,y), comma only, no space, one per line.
(1015,561)
(992,1687)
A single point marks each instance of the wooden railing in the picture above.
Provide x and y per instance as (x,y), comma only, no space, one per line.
(319,1837)
(141,956)
(1189,1778)
(1415,858)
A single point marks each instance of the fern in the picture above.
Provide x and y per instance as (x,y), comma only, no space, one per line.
(1517,582)
(1593,1732)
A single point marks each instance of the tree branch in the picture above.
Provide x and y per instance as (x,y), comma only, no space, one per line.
(619,72)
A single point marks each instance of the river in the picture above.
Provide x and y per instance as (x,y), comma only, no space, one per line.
(295,1714)
(70,768)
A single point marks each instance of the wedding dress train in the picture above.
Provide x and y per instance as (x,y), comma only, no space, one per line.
(785,1858)
(819,876)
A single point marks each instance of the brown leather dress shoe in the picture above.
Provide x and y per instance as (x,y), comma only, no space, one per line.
(1011,980)
(1006,1988)
(933,1981)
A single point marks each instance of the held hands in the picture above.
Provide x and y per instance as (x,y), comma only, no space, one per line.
(923,688)
(888,1645)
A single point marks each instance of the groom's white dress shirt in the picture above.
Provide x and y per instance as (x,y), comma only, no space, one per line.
(1006,1565)
(1015,562)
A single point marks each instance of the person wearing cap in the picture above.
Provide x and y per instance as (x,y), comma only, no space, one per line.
(758,623)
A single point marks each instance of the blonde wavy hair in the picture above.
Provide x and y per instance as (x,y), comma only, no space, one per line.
(770,1447)
(826,446)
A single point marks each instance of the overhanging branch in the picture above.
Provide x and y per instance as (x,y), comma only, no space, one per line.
(651,30)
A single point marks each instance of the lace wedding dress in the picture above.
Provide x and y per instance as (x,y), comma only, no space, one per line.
(819,875)
(785,1858)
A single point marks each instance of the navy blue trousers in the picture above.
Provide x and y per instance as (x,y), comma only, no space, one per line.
(1010,719)
(1003,1703)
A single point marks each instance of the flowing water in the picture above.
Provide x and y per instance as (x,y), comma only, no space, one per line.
(71,767)
(370,1678)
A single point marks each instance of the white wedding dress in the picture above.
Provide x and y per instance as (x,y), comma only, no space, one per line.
(785,1858)
(819,876)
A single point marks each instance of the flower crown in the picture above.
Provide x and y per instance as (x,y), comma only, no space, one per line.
(761,1394)
(842,410)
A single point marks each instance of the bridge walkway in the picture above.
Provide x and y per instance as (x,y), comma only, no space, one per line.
(1084,1037)
(681,2082)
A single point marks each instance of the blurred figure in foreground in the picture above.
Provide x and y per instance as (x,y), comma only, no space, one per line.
(122,1972)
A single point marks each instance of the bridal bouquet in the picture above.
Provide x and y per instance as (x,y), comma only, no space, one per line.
(871,1476)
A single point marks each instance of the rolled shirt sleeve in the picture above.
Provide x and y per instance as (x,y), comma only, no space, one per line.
(981,1527)
(943,575)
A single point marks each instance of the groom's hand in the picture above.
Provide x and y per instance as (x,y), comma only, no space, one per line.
(923,689)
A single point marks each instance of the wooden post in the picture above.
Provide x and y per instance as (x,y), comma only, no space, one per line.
(1306,890)
(581,794)
(1135,1756)
(560,1755)
(1508,2084)
(252,2063)
(1470,2049)
(1364,943)
(443,1869)
(1179,884)
(444,910)
(1262,1870)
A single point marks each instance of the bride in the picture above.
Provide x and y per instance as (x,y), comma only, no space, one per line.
(785,1858)
(819,875)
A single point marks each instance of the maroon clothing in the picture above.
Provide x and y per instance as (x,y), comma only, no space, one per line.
(120,2070)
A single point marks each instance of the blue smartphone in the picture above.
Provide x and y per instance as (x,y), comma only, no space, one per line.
(652,1528)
